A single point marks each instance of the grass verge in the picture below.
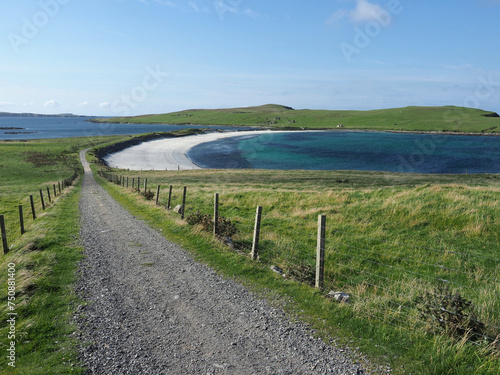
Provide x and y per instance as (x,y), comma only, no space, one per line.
(45,260)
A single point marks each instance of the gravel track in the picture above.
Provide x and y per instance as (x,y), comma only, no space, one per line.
(153,310)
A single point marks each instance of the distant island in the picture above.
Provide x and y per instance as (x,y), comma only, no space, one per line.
(9,114)
(446,119)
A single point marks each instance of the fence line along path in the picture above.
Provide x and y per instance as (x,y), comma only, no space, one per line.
(155,310)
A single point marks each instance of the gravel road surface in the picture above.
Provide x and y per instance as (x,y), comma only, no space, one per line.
(153,310)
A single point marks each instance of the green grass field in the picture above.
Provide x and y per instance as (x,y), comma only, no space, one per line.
(446,119)
(390,239)
(45,257)
(30,166)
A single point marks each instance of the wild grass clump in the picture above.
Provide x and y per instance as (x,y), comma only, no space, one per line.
(225,229)
(149,195)
(451,314)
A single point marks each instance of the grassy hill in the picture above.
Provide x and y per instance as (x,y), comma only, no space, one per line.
(447,118)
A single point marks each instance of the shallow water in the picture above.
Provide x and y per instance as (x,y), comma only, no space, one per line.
(344,150)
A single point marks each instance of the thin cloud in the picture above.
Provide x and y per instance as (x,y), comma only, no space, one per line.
(51,104)
(336,17)
(194,6)
(114,32)
(363,12)
(84,104)
(253,14)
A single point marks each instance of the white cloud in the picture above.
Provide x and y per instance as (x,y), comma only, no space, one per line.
(6,104)
(104,105)
(84,104)
(363,12)
(51,104)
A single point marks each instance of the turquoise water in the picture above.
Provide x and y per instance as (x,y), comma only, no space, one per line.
(369,151)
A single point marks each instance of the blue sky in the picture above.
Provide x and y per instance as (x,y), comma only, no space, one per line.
(128,57)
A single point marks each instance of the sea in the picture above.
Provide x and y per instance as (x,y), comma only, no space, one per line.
(316,150)
(67,127)
(353,150)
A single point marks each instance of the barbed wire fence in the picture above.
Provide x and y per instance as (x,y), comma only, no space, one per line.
(405,285)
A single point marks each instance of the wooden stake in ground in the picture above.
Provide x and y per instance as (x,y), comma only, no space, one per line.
(21,218)
(216,213)
(32,207)
(41,197)
(4,235)
(320,252)
(183,208)
(256,233)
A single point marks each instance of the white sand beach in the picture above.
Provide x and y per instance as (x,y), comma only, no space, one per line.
(169,153)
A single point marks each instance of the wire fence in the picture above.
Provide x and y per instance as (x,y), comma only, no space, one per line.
(403,284)
(16,221)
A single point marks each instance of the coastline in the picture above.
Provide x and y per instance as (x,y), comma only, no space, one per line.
(169,153)
(299,129)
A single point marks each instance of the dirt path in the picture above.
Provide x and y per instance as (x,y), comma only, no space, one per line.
(154,310)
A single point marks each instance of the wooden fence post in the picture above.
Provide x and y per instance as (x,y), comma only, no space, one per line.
(157,194)
(183,208)
(133,182)
(41,197)
(216,213)
(4,235)
(145,184)
(256,233)
(32,207)
(55,192)
(139,184)
(59,184)
(21,218)
(127,182)
(169,197)
(48,194)
(320,252)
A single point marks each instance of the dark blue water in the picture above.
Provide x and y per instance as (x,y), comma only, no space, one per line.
(369,151)
(66,127)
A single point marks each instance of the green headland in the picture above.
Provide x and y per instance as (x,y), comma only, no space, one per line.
(413,119)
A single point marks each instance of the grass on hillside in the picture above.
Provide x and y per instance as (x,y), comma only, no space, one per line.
(390,239)
(447,119)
